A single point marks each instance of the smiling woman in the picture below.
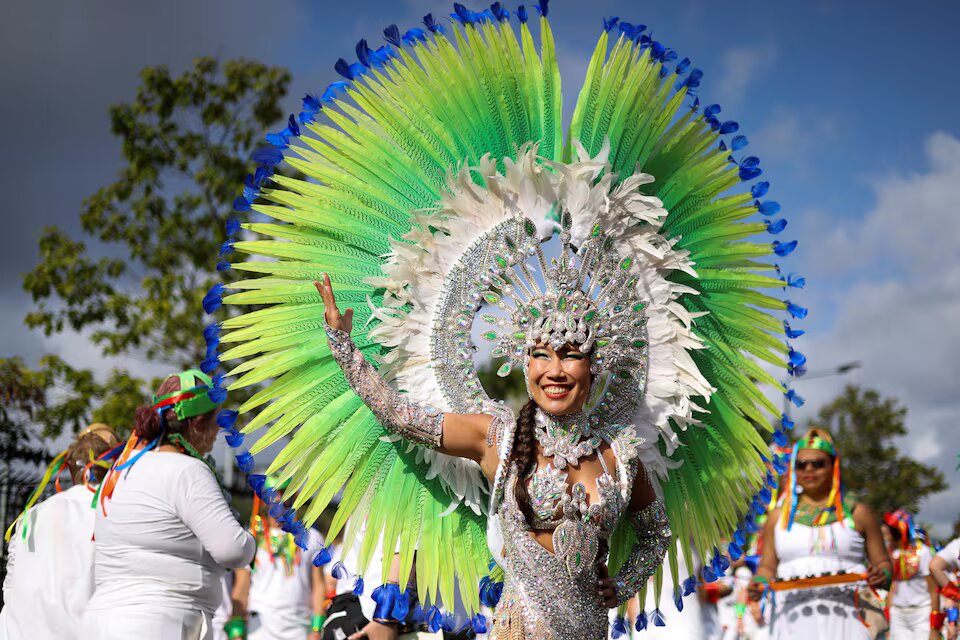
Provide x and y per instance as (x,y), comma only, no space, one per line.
(437,176)
(818,530)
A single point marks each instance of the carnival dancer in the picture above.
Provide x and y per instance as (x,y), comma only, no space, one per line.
(943,569)
(913,591)
(50,555)
(283,595)
(438,184)
(821,535)
(164,529)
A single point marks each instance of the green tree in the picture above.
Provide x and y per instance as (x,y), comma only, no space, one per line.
(23,399)
(186,141)
(865,426)
(40,403)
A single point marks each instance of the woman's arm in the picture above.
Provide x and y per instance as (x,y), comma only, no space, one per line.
(201,506)
(240,594)
(879,569)
(460,435)
(318,598)
(938,571)
(769,561)
(236,626)
(648,518)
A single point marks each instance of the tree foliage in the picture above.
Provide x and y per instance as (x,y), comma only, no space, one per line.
(866,428)
(40,403)
(186,141)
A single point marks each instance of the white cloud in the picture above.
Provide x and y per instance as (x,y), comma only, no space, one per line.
(891,284)
(739,67)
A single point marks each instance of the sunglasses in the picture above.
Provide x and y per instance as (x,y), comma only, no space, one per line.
(803,465)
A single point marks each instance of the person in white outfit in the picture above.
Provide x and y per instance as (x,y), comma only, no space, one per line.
(50,554)
(164,529)
(914,591)
(283,593)
(943,570)
(817,530)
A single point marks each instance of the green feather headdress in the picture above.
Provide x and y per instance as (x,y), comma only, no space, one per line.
(429,142)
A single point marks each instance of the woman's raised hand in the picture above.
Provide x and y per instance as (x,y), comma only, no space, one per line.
(335,320)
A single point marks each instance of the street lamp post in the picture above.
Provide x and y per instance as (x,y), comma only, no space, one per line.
(839,370)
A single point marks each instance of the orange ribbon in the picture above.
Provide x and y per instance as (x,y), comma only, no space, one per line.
(817,581)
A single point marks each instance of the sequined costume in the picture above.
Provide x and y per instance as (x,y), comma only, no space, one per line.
(554,595)
(447,206)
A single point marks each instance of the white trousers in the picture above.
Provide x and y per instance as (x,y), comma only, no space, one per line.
(909,623)
(146,623)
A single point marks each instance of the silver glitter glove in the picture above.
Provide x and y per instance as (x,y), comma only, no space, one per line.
(418,423)
(653,537)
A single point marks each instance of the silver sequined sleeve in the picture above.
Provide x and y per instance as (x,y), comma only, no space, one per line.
(653,536)
(418,423)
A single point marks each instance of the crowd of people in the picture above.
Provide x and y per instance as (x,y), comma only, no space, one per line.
(145,544)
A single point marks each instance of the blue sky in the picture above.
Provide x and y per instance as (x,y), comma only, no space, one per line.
(849,104)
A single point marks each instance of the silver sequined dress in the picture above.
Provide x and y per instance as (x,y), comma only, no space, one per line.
(549,596)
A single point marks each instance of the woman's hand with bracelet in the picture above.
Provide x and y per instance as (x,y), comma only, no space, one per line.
(879,576)
(757,587)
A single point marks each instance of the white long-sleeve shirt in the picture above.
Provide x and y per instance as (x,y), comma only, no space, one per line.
(50,569)
(167,534)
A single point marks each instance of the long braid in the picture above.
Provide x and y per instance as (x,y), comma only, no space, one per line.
(525,455)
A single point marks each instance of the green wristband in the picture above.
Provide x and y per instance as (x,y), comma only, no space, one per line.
(889,576)
(761,579)
(317,623)
(236,628)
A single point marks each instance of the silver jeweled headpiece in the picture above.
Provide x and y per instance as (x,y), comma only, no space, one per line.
(586,297)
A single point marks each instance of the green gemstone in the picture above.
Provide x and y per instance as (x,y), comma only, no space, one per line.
(590,315)
(534,312)
(519,335)
(639,344)
(489,317)
(491,297)
(602,342)
(504,370)
(529,227)
(625,263)
(576,558)
(490,335)
(500,260)
(640,306)
(596,230)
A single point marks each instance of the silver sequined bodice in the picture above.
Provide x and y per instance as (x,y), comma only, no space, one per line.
(554,595)
(542,598)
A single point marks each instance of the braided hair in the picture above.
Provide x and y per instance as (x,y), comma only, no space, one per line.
(524,455)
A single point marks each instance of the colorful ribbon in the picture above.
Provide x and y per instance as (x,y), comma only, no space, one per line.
(55,467)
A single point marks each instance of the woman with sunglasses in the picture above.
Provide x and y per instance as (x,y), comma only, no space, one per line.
(819,533)
(165,531)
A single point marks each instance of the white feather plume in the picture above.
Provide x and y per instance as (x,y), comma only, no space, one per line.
(415,271)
